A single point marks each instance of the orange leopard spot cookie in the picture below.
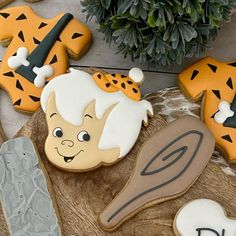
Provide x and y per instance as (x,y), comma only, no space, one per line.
(216,81)
(37,52)
(129,85)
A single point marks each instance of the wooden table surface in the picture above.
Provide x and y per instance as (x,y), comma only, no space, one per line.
(102,56)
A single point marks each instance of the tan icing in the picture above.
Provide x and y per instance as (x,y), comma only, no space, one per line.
(87,154)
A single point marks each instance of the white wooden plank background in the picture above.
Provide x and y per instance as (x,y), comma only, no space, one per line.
(105,57)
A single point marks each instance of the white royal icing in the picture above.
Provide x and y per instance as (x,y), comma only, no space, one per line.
(204,217)
(42,74)
(19,59)
(136,75)
(76,90)
(223,113)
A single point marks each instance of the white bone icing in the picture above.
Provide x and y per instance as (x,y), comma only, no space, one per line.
(19,59)
(200,214)
(223,113)
(42,74)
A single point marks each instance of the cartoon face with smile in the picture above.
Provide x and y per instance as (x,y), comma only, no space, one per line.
(87,126)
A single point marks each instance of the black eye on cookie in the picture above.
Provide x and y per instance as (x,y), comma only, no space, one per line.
(83,136)
(57,132)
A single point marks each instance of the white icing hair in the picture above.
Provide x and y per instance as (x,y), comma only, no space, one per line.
(76,90)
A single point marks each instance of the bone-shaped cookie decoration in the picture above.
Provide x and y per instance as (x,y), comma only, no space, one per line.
(19,59)
(223,113)
(167,166)
(203,217)
(42,73)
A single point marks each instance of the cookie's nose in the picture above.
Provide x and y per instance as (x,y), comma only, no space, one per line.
(67,142)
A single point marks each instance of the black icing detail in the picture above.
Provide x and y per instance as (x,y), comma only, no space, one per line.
(59,39)
(123,76)
(217,93)
(108,85)
(76,35)
(227,138)
(123,85)
(40,53)
(86,137)
(194,74)
(99,76)
(230,83)
(54,60)
(42,25)
(17,103)
(147,170)
(21,36)
(36,41)
(21,17)
(214,114)
(14,54)
(200,230)
(231,121)
(114,81)
(35,99)
(9,74)
(18,85)
(129,82)
(212,67)
(114,75)
(135,90)
(5,15)
(232,64)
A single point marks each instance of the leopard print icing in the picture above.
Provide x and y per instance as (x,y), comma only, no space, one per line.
(115,82)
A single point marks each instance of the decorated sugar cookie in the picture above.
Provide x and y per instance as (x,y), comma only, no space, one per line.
(215,83)
(93,120)
(37,51)
(168,164)
(203,217)
(25,191)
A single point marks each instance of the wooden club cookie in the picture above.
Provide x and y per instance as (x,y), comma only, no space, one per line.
(167,165)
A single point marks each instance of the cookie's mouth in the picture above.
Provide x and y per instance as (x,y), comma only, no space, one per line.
(68,159)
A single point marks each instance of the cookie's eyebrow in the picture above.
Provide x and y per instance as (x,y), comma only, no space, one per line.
(87,115)
(53,114)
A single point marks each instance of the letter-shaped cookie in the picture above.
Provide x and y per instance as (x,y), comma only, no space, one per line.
(24,192)
(203,217)
(38,51)
(167,166)
(215,83)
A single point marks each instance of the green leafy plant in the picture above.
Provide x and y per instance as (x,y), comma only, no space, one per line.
(160,31)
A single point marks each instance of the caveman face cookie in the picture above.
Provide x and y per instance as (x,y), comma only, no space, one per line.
(217,82)
(92,120)
(37,51)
